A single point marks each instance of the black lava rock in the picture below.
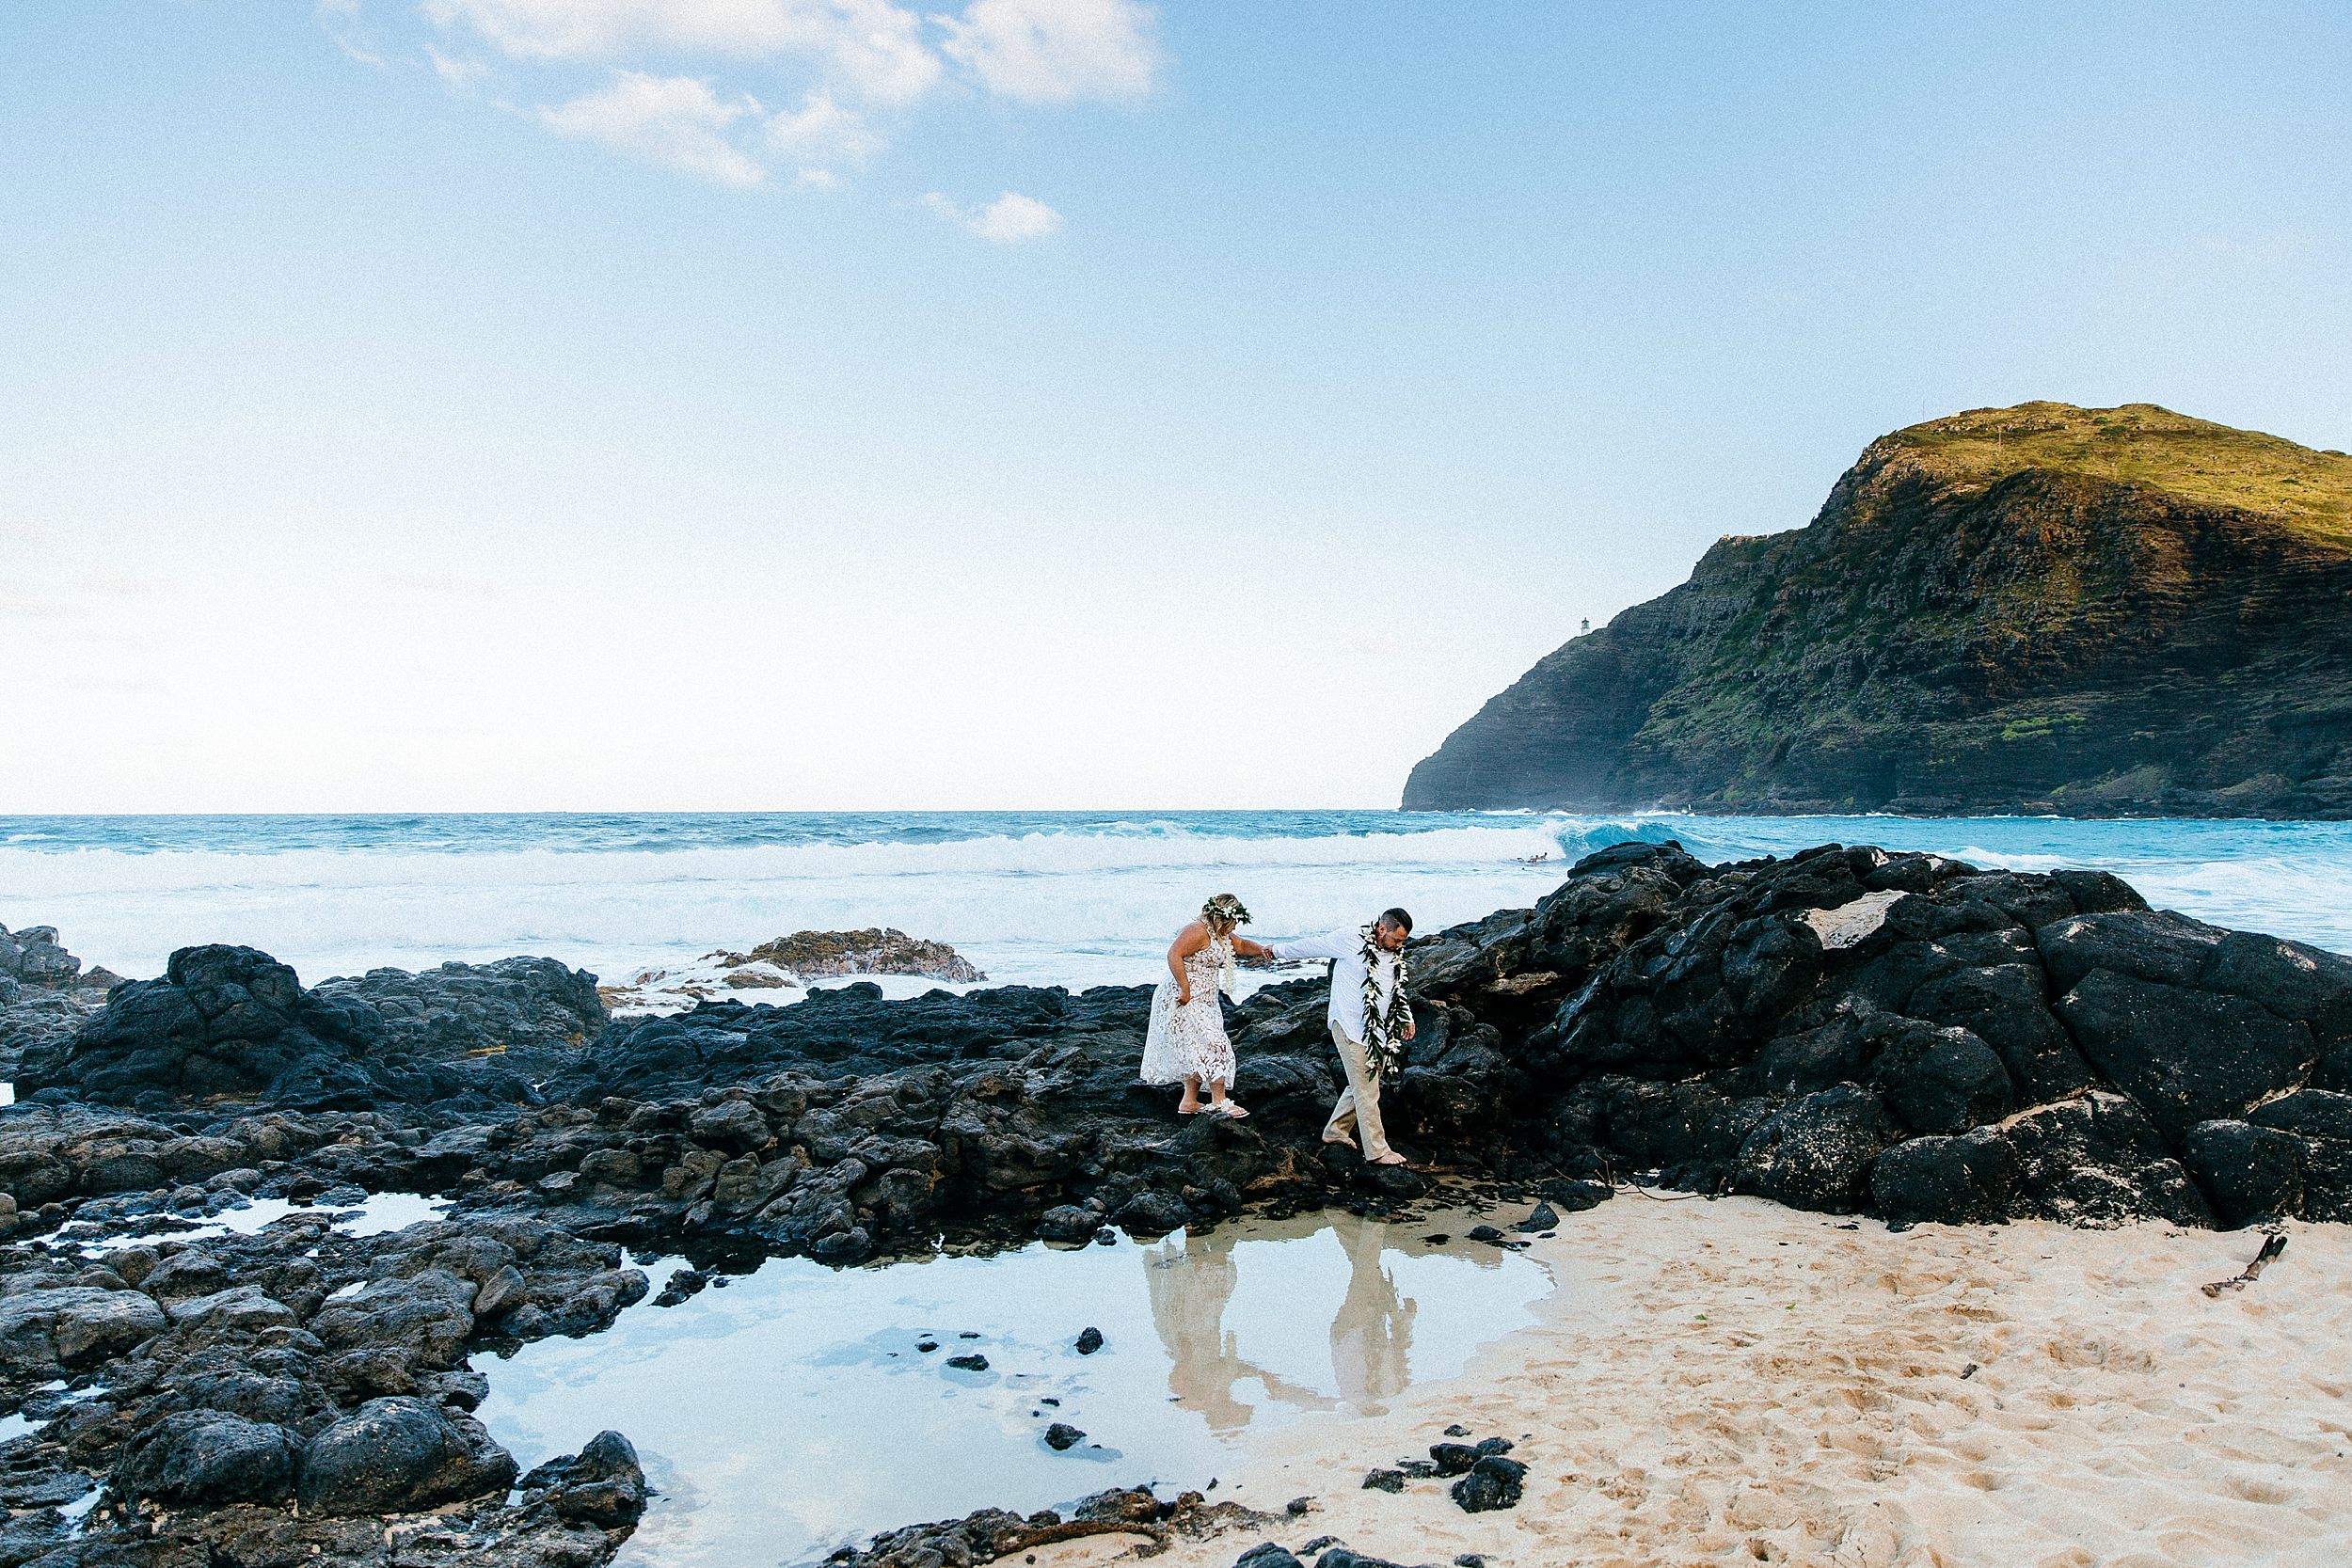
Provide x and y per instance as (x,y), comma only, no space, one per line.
(1267,1555)
(602,1486)
(400,1454)
(1492,1483)
(1817,1152)
(1967,1179)
(1089,1342)
(2185,1055)
(1452,1459)
(205,1457)
(2251,1173)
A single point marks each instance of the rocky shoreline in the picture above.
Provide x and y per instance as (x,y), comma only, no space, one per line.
(1842,1030)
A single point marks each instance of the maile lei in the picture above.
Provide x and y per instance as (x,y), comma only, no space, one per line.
(1384,1027)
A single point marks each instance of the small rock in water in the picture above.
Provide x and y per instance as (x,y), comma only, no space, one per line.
(1055,1402)
(1061,1435)
(680,1286)
(1457,1430)
(1484,1233)
(1494,1444)
(968,1363)
(1544,1218)
(1493,1482)
(1384,1481)
(969,1334)
(927,1346)
(1470,1560)
(1090,1340)
(1321,1543)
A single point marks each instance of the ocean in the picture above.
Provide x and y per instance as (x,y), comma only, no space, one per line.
(1070,898)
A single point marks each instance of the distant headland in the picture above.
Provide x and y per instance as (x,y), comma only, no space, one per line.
(2088,612)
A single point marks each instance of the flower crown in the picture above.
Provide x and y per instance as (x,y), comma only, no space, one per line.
(1224,910)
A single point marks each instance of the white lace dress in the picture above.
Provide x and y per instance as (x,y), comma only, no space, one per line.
(1189,1040)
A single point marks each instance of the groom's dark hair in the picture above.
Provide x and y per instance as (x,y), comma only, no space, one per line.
(1399,919)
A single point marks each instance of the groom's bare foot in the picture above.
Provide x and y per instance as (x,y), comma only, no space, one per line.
(1343,1143)
(1390,1158)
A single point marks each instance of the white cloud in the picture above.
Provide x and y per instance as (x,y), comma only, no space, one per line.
(818,133)
(1052,51)
(1008,220)
(873,46)
(689,74)
(675,121)
(459,73)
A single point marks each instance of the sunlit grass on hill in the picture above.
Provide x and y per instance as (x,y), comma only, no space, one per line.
(2308,492)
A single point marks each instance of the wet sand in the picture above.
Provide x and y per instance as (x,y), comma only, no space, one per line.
(1737,1382)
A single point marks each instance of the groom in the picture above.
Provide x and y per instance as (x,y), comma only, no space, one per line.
(1370,1020)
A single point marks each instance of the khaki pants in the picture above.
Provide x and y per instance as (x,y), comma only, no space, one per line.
(1358,1104)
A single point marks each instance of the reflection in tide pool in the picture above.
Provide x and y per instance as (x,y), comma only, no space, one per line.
(1238,1346)
(794,1409)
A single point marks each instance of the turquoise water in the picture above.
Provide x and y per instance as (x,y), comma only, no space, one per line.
(1049,898)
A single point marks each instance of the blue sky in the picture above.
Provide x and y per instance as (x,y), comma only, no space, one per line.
(739,404)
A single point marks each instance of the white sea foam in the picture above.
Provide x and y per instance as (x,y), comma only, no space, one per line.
(1043,906)
(1037,900)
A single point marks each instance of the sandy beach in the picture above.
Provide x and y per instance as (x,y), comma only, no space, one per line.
(1732,1381)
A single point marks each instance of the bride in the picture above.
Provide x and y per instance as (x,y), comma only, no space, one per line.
(1186,1043)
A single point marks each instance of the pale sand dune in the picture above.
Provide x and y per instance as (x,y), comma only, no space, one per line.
(1736,1383)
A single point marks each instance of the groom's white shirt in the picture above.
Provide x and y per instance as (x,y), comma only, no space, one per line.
(1345,949)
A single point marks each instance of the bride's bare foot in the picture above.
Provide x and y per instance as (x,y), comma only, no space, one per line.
(1188,1108)
(1230,1108)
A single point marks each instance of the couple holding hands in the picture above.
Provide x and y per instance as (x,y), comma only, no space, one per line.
(1370,1020)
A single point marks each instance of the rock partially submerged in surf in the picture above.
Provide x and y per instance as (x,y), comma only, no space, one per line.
(789,963)
(830,955)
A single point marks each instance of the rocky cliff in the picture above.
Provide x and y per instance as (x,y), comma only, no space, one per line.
(2091,611)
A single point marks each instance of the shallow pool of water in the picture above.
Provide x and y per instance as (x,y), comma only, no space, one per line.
(794,1409)
(377,1214)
